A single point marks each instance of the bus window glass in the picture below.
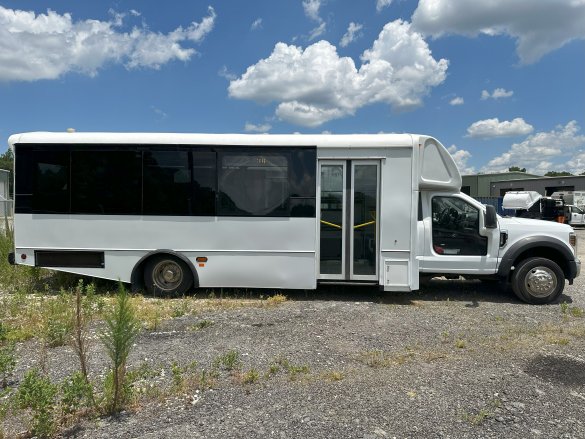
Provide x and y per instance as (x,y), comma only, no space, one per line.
(254,183)
(302,183)
(106,182)
(204,182)
(167,183)
(50,182)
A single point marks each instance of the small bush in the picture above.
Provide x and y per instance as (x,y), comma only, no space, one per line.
(76,394)
(7,363)
(58,325)
(37,393)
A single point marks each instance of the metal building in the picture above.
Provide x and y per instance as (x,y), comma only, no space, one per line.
(543,185)
(479,185)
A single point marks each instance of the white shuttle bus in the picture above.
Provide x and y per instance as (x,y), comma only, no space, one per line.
(169,212)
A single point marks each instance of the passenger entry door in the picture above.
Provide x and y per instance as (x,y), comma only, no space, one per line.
(348,219)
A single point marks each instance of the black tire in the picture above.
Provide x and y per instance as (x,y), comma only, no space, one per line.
(166,275)
(538,280)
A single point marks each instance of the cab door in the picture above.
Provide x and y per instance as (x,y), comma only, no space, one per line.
(456,240)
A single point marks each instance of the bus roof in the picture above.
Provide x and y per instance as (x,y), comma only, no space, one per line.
(318,140)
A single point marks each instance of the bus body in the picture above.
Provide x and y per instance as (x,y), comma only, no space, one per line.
(167,212)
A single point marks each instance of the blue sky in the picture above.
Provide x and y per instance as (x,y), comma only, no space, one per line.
(500,83)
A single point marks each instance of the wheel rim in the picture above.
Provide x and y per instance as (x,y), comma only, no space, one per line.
(540,281)
(167,275)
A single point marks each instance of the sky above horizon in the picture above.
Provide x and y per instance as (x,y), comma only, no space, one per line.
(499,83)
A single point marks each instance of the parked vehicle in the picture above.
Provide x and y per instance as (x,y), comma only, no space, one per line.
(575,198)
(575,215)
(169,212)
(530,204)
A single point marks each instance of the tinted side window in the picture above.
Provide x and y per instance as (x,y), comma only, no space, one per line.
(204,170)
(302,183)
(23,187)
(106,182)
(50,182)
(254,183)
(167,183)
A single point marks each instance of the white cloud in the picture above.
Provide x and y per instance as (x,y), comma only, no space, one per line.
(225,73)
(260,128)
(257,24)
(457,101)
(318,31)
(461,156)
(544,151)
(381,4)
(160,113)
(539,27)
(490,128)
(353,32)
(498,93)
(46,46)
(311,8)
(315,85)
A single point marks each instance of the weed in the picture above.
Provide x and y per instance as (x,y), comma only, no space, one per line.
(83,316)
(482,414)
(229,361)
(564,307)
(202,325)
(275,300)
(334,375)
(122,328)
(292,369)
(37,393)
(576,311)
(7,363)
(183,377)
(250,377)
(76,394)
(57,325)
(460,343)
(375,359)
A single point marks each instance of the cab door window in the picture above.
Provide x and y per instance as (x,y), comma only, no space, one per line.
(456,228)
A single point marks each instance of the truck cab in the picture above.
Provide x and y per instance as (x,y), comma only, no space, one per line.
(464,237)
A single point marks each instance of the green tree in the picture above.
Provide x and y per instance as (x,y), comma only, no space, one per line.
(516,169)
(122,328)
(557,174)
(7,162)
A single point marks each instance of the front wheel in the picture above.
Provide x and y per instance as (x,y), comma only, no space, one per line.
(538,280)
(167,275)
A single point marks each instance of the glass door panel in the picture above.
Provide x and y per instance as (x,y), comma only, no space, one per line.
(332,242)
(365,220)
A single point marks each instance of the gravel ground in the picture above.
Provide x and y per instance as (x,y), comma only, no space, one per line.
(459,359)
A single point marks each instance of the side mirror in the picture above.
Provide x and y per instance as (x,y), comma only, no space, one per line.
(491,219)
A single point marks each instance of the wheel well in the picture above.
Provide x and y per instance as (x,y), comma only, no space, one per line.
(546,253)
(137,277)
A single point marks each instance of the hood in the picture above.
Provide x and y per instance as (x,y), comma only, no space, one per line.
(532,224)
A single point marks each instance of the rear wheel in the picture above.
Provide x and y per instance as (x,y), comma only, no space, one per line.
(167,275)
(538,280)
